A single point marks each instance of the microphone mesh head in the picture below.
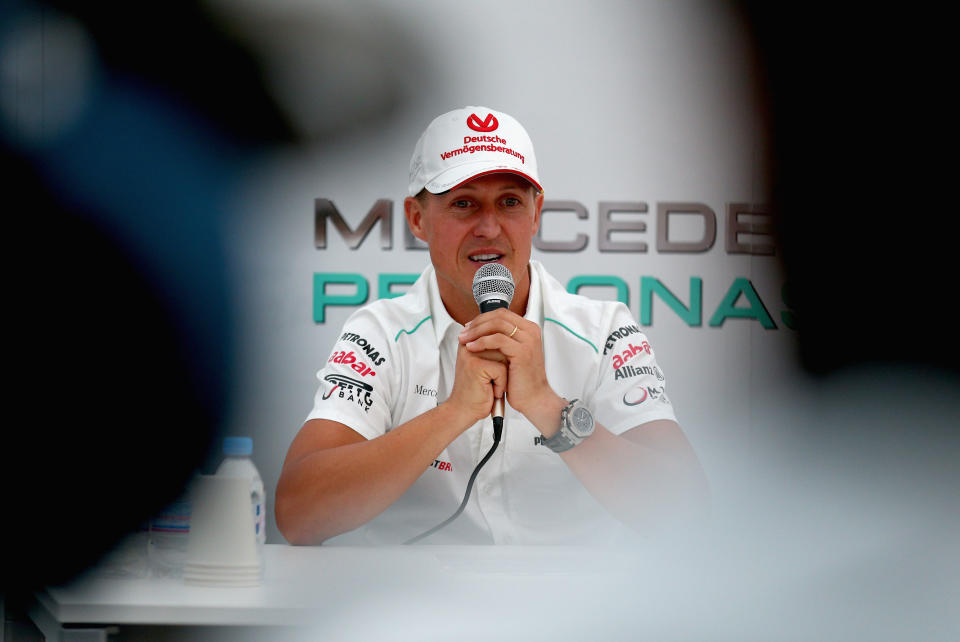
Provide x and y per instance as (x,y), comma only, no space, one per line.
(493,281)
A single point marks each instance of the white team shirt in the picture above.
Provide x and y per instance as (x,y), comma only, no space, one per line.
(396,358)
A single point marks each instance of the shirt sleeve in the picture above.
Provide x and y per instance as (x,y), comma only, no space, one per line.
(630,387)
(356,387)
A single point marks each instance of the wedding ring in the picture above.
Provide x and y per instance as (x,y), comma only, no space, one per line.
(510,336)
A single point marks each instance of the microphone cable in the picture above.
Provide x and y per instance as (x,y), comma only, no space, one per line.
(493,287)
(497,431)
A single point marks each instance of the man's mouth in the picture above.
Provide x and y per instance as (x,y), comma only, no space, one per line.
(485,258)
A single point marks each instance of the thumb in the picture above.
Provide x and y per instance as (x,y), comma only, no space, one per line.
(498,379)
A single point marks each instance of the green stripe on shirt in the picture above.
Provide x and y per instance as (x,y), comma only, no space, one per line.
(573,333)
(397,338)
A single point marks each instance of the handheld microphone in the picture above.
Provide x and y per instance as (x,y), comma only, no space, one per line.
(493,288)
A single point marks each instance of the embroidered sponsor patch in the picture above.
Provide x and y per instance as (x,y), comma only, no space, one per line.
(627,372)
(348,358)
(488,124)
(641,394)
(620,333)
(349,389)
(372,353)
(621,359)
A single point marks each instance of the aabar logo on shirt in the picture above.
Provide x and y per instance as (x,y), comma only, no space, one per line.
(488,124)
(621,359)
(348,358)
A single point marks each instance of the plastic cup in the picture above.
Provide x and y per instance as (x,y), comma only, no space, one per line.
(222,547)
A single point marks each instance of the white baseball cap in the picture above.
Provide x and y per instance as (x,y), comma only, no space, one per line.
(465,143)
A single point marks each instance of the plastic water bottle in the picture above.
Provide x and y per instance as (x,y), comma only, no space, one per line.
(169,534)
(237,463)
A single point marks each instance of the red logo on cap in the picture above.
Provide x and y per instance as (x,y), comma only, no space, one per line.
(486,125)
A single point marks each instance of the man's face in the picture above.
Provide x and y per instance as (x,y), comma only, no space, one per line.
(492,218)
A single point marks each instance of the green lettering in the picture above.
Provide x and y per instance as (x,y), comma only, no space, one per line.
(387,280)
(788,316)
(727,308)
(321,299)
(692,316)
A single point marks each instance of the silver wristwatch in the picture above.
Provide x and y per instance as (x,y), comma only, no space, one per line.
(576,424)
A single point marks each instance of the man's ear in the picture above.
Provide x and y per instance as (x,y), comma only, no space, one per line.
(413,210)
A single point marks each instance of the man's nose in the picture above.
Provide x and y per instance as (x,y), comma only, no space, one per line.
(488,224)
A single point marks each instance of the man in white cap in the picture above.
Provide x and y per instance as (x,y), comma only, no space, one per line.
(591,450)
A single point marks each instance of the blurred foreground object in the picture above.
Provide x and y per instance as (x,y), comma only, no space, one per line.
(120,156)
(125,142)
(859,185)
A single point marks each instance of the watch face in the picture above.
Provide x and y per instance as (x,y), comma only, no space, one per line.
(581,421)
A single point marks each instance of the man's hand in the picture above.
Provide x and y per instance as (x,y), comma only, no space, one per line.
(477,382)
(648,477)
(505,336)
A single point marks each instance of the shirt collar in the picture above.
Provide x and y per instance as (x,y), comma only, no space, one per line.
(442,321)
(535,297)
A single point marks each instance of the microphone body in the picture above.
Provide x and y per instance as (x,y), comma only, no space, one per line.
(493,304)
(493,288)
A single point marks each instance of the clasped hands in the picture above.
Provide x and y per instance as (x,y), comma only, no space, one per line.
(501,353)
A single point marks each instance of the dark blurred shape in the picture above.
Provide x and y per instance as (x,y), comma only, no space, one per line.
(858,122)
(126,134)
(119,314)
(179,50)
(335,69)
(110,420)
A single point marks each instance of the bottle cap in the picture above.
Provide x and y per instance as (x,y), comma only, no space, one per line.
(237,446)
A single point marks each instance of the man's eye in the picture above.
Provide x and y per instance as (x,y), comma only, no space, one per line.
(511,202)
(460,204)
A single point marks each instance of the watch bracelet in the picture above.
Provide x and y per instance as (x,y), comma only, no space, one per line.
(559,442)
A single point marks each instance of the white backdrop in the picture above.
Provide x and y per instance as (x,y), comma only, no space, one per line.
(625,102)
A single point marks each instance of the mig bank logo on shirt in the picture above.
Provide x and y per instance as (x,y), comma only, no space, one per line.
(349,389)
(488,124)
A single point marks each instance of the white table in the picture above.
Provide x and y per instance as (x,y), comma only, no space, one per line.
(730,591)
(414,592)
